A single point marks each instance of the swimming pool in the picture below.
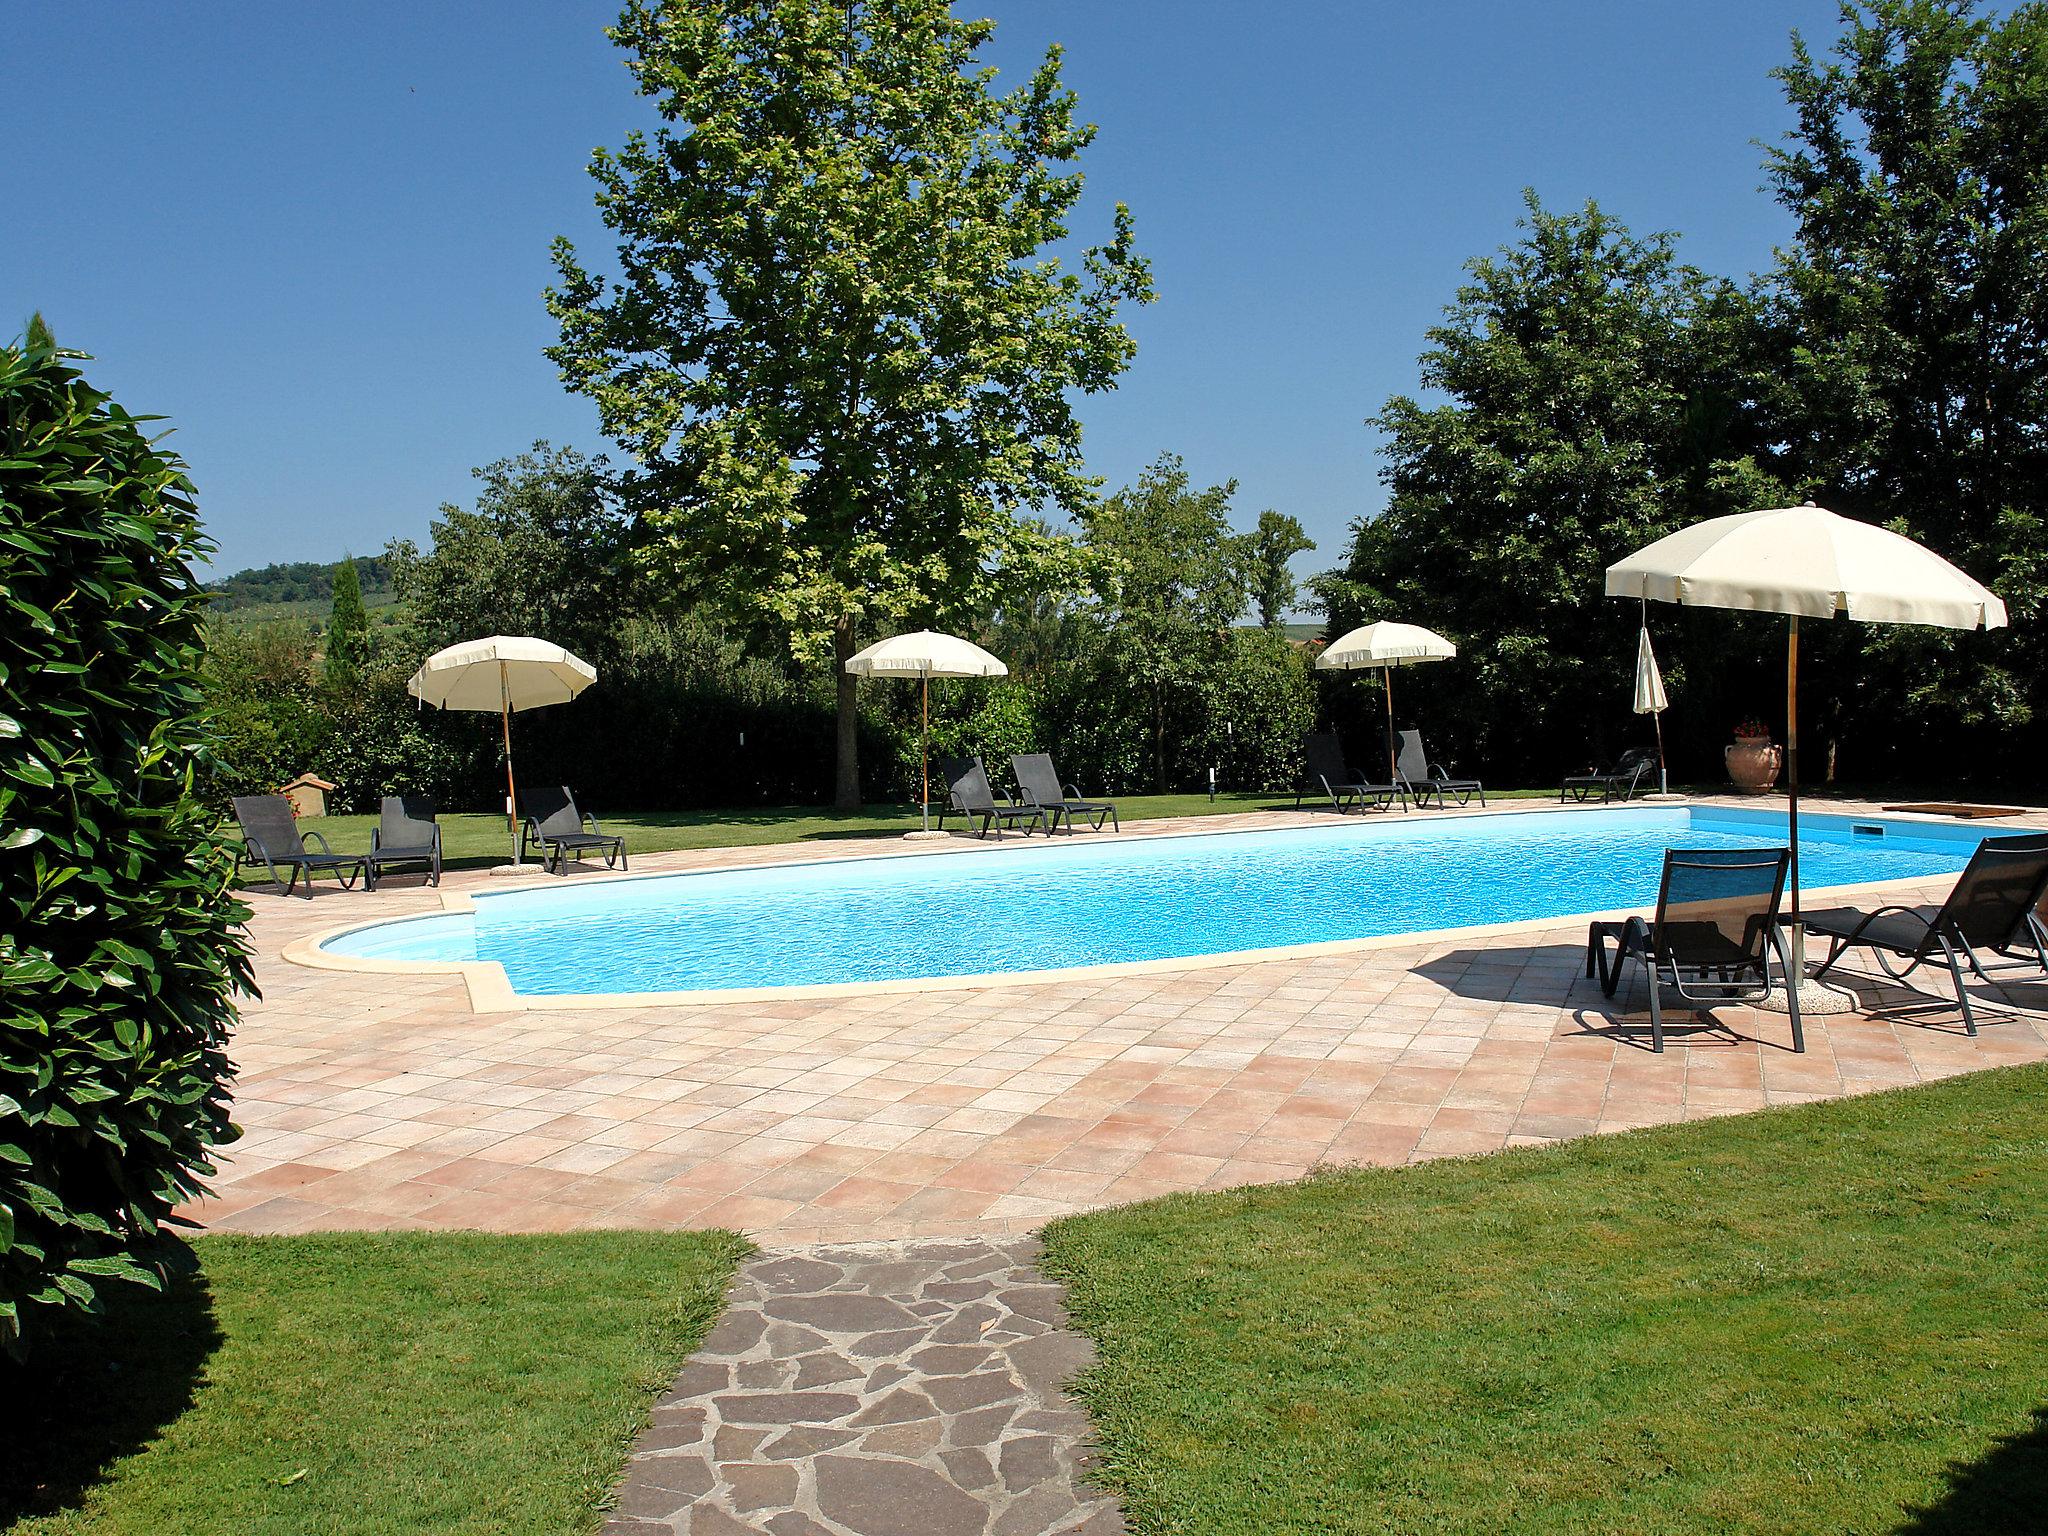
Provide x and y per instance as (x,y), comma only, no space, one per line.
(1101,901)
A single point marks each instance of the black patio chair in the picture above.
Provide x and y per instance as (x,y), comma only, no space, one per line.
(406,833)
(1713,937)
(1994,905)
(970,793)
(1038,781)
(1325,772)
(1623,781)
(558,826)
(1424,779)
(951,771)
(271,837)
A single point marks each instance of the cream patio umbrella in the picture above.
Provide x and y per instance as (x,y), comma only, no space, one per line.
(924,656)
(1386,645)
(1804,562)
(1650,696)
(504,674)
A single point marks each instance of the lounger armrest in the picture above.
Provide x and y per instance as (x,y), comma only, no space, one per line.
(315,837)
(376,838)
(591,822)
(1072,792)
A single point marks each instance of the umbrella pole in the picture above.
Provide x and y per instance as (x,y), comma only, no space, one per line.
(924,748)
(511,793)
(1657,720)
(1387,673)
(1792,770)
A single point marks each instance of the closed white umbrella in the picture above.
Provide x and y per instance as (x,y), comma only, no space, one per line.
(925,655)
(504,674)
(1805,562)
(1650,699)
(1386,645)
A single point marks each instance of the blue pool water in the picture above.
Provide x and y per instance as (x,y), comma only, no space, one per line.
(1093,901)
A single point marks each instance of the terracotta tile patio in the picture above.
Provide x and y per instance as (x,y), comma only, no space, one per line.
(384,1101)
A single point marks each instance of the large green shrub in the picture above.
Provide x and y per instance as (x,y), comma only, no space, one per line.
(119,963)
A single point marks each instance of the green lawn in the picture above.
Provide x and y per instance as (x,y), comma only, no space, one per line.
(474,840)
(1826,1318)
(368,1385)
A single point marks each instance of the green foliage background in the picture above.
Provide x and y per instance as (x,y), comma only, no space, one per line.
(1590,392)
(119,959)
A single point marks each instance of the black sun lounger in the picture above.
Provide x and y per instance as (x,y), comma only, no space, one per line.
(561,829)
(971,794)
(1621,782)
(406,833)
(271,837)
(1324,772)
(1714,935)
(1424,779)
(1038,781)
(1992,907)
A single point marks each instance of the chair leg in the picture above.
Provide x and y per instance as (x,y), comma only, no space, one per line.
(1777,942)
(1656,1012)
(1955,972)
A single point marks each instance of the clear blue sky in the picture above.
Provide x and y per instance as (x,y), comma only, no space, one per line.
(315,237)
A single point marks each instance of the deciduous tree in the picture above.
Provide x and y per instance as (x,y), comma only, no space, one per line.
(839,344)
(1912,331)
(1276,541)
(1172,582)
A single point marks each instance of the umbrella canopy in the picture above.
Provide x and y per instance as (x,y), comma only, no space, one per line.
(925,655)
(1386,645)
(1806,562)
(503,674)
(1650,699)
(500,673)
(1810,563)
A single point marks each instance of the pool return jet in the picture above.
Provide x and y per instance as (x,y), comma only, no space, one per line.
(1805,562)
(503,674)
(1385,646)
(924,656)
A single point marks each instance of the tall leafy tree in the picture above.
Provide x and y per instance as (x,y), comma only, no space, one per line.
(1594,397)
(348,628)
(838,343)
(1270,546)
(543,552)
(1173,579)
(1912,323)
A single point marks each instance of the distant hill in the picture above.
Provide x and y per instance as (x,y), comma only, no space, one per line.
(302,589)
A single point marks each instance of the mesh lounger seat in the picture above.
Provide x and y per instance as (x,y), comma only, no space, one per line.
(1424,779)
(1324,772)
(1622,781)
(406,833)
(272,838)
(1038,781)
(1713,938)
(554,822)
(971,795)
(1993,906)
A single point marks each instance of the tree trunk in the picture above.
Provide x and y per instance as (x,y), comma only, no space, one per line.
(1159,741)
(846,780)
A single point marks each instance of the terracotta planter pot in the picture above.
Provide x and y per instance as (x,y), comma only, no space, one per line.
(1753,763)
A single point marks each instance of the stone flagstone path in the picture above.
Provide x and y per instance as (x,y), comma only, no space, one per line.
(877,1390)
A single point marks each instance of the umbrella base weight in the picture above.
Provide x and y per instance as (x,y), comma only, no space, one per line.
(1660,798)
(1814,997)
(515,869)
(932,835)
